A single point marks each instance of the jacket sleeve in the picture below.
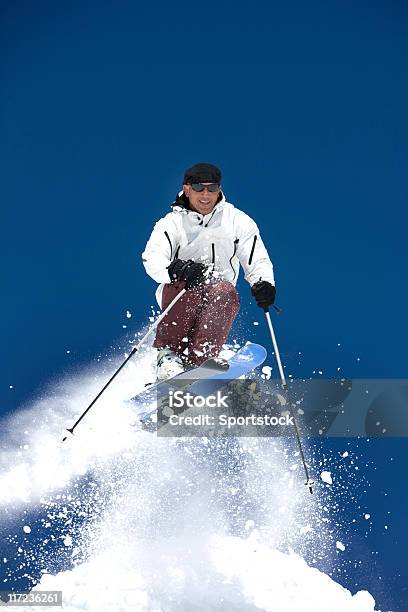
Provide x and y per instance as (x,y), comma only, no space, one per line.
(251,251)
(160,249)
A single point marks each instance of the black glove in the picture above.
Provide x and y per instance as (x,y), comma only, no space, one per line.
(264,293)
(190,271)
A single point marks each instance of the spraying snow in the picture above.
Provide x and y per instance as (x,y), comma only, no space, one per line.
(118,518)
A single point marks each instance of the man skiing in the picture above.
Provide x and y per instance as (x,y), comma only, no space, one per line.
(199,247)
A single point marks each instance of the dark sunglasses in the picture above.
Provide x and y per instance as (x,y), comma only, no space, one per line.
(213,188)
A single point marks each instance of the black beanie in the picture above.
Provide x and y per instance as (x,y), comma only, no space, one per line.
(202,173)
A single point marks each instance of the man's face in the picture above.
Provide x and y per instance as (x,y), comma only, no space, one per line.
(202,202)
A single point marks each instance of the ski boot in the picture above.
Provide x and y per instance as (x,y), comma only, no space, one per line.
(169,364)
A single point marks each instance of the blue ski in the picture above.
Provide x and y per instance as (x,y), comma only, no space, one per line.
(203,380)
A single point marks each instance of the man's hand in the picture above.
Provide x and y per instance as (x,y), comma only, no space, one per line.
(191,272)
(264,294)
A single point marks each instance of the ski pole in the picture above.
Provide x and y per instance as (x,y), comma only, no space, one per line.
(309,482)
(133,351)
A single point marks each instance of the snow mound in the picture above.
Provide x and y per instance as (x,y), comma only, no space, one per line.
(230,574)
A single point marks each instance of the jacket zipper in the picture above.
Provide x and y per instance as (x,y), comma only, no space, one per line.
(213,253)
(252,250)
(206,225)
(233,255)
(171,247)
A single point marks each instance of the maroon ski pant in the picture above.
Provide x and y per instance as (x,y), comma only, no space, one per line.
(198,324)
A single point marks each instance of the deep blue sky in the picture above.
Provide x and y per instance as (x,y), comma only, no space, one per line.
(103,106)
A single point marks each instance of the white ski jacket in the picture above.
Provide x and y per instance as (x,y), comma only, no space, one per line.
(224,239)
